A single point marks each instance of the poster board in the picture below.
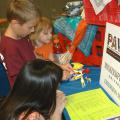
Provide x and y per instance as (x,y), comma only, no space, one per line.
(110,69)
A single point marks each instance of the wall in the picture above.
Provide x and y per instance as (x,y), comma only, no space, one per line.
(48,7)
(3,5)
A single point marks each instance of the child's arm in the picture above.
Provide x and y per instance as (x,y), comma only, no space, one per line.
(66,67)
(51,57)
(38,56)
(66,75)
(67,70)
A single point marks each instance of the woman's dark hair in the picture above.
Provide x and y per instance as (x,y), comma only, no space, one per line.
(34,90)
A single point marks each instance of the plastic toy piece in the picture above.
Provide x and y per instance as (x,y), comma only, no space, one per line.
(87,71)
(77,66)
(88,79)
(75,76)
(82,81)
(80,73)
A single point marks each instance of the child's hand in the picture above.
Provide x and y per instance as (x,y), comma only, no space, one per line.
(67,70)
(66,75)
(67,67)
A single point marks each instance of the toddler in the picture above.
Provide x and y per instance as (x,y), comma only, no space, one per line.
(42,40)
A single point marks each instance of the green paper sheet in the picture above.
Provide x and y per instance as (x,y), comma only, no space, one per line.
(91,105)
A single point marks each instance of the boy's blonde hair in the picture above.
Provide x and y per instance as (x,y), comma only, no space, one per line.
(22,10)
(43,24)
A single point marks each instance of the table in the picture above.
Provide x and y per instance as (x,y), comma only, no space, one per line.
(71,87)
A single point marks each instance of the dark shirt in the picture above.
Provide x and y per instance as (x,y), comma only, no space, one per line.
(16,53)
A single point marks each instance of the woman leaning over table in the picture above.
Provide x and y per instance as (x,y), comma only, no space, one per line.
(34,95)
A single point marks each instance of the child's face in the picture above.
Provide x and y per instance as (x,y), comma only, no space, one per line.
(25,29)
(45,36)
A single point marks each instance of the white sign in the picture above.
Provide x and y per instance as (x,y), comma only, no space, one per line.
(110,70)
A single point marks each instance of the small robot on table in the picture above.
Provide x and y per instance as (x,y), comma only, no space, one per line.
(79,71)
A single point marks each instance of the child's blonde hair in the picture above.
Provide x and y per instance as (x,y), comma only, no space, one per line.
(22,10)
(43,24)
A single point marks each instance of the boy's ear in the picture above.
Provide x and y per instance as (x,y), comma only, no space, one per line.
(14,22)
